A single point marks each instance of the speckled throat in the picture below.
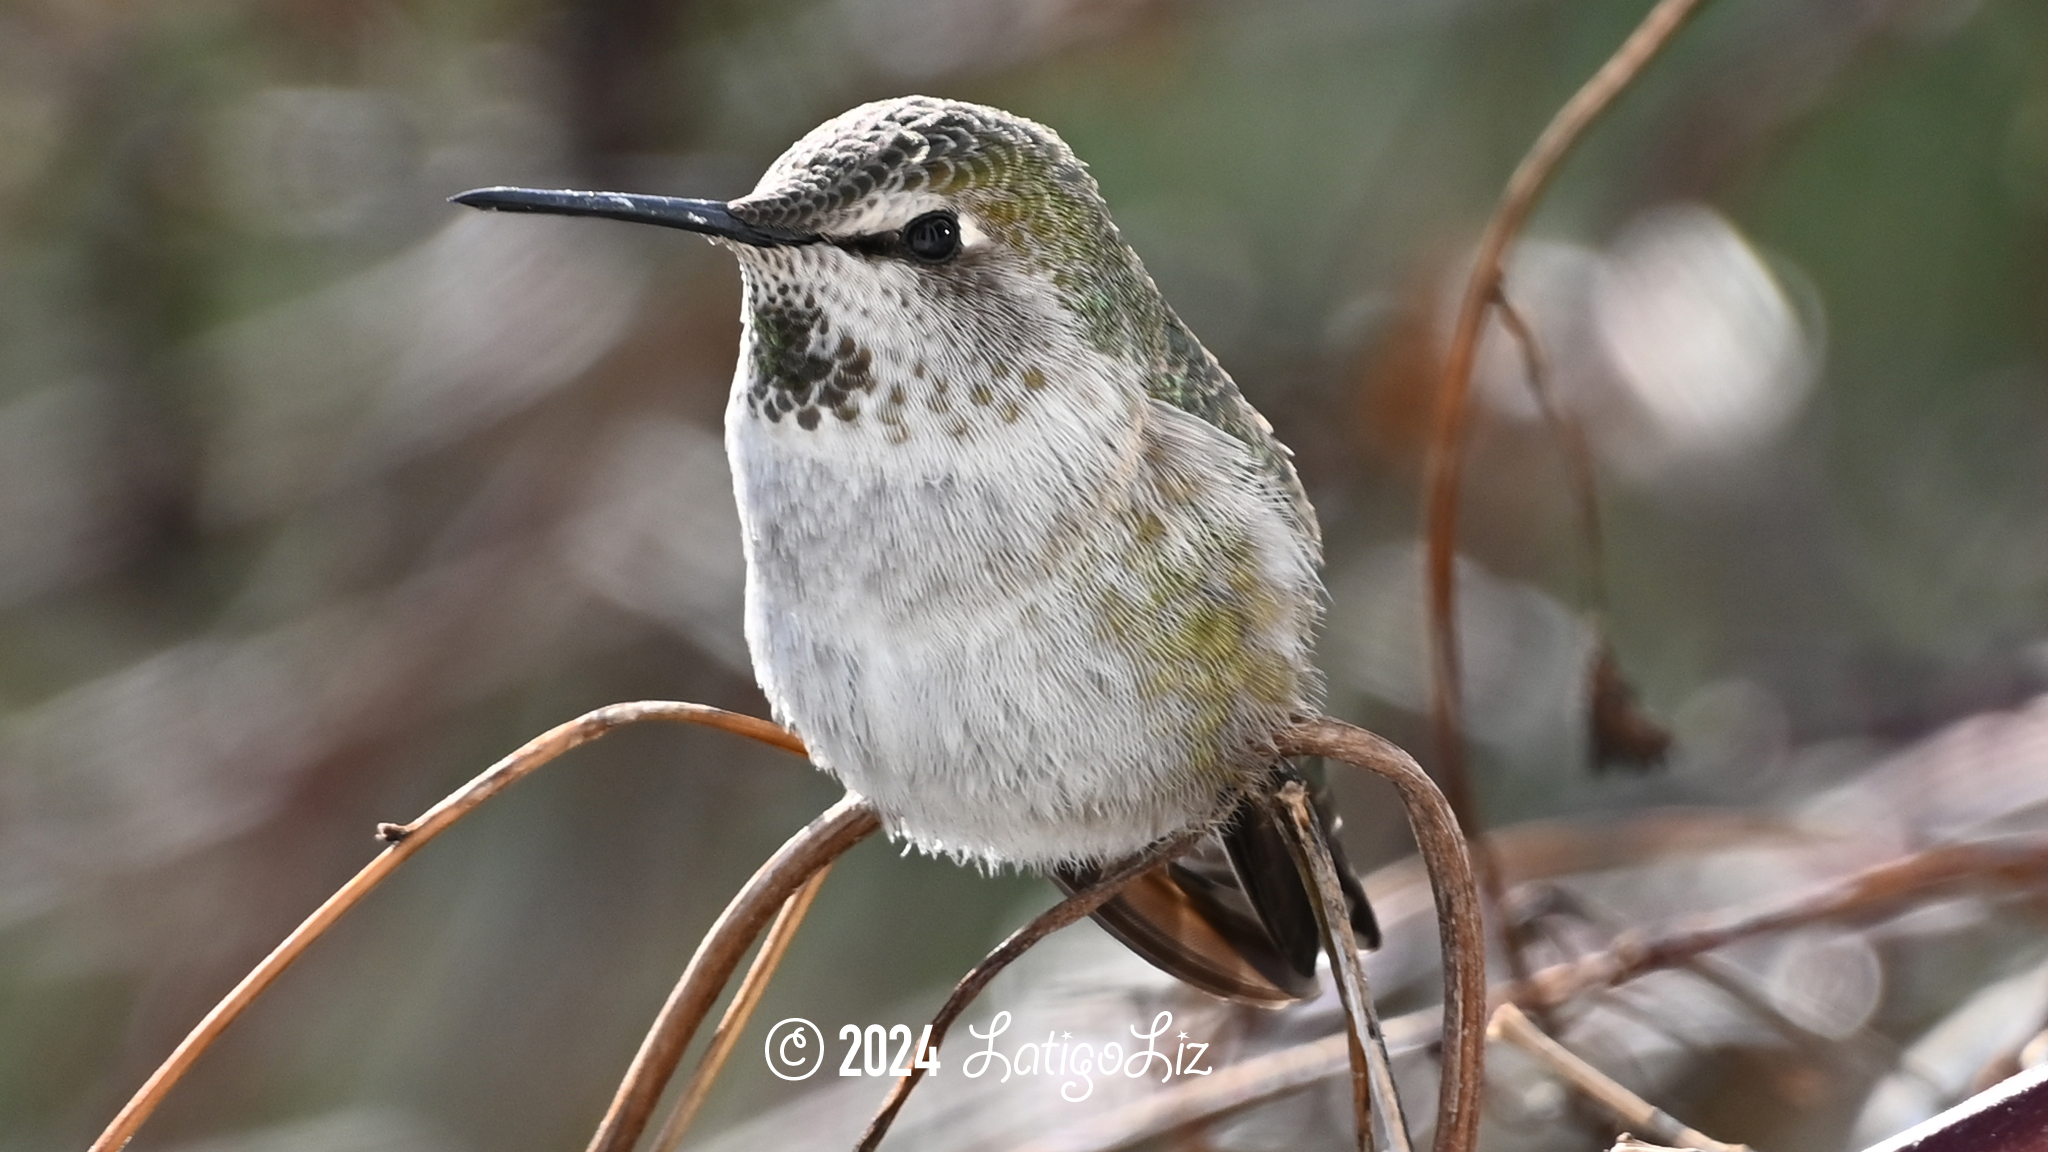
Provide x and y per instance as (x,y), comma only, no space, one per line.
(832,338)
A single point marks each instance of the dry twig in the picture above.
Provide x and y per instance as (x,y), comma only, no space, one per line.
(730,1025)
(1511,1025)
(1443,850)
(1066,912)
(1453,410)
(1446,454)
(1372,1078)
(801,857)
(1622,732)
(406,839)
(1571,444)
(1872,889)
(1278,1073)
(1864,1047)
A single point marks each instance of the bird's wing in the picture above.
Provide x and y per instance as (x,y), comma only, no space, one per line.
(1232,917)
(1184,375)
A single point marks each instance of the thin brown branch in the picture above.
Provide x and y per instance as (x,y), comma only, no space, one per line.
(1066,912)
(1874,889)
(1372,1078)
(727,1034)
(1570,438)
(1535,368)
(1864,1047)
(801,857)
(1445,464)
(1444,855)
(1511,1025)
(405,840)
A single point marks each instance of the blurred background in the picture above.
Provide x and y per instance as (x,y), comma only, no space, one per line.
(318,494)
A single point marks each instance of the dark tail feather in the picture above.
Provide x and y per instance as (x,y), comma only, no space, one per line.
(1266,873)
(1231,918)
(1183,925)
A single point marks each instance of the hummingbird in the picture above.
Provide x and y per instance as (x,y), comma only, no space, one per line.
(1024,567)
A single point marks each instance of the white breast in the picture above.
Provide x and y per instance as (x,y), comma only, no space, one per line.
(926,604)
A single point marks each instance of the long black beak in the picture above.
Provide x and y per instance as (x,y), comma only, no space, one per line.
(709,217)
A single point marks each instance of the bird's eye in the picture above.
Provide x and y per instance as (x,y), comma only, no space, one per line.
(933,237)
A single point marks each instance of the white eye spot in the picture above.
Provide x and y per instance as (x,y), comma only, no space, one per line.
(892,213)
(886,214)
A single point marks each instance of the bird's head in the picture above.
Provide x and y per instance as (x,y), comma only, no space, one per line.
(921,239)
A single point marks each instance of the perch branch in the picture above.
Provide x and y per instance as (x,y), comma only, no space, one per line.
(1066,912)
(404,840)
(744,1001)
(1459,928)
(801,857)
(1372,1076)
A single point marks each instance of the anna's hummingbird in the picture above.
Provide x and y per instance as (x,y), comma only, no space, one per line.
(1023,567)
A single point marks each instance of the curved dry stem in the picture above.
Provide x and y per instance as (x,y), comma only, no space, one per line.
(730,1025)
(1372,1075)
(1446,458)
(1571,442)
(817,845)
(406,839)
(1565,429)
(1445,856)
(1067,911)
